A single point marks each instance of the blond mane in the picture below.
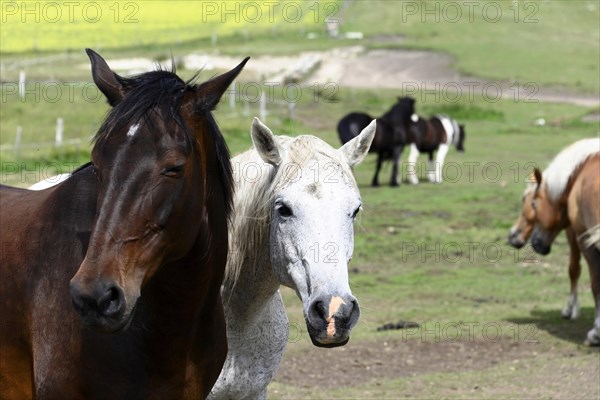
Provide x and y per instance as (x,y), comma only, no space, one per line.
(556,177)
(254,196)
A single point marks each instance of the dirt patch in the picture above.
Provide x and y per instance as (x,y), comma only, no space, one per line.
(592,117)
(359,363)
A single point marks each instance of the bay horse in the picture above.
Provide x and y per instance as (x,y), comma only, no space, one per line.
(391,135)
(294,207)
(115,241)
(520,233)
(566,195)
(437,133)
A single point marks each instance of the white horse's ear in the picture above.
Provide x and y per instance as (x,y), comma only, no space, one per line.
(356,150)
(265,143)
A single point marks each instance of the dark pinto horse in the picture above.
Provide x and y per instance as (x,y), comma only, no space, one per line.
(391,135)
(136,242)
(428,136)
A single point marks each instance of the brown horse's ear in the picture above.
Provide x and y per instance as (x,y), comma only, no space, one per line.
(209,93)
(537,175)
(107,81)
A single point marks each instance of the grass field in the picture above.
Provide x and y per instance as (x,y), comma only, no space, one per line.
(432,254)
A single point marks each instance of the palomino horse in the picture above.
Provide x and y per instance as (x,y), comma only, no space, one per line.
(294,208)
(391,135)
(428,136)
(120,228)
(566,195)
(521,231)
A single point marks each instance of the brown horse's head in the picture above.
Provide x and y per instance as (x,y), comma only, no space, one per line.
(550,216)
(158,156)
(521,231)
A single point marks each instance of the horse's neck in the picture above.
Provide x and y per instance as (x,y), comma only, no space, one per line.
(253,289)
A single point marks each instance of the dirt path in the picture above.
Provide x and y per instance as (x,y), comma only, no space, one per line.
(408,71)
(522,369)
(405,70)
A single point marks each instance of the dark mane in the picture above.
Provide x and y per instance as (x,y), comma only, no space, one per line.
(163,91)
(223,158)
(401,111)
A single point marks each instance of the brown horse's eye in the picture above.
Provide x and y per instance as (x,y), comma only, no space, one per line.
(96,172)
(174,171)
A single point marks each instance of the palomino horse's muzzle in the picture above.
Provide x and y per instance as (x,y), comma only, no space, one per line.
(540,243)
(515,238)
(331,318)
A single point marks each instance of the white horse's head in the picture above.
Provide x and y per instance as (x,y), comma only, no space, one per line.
(313,204)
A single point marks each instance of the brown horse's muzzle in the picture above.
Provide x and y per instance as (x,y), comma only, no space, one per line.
(101,304)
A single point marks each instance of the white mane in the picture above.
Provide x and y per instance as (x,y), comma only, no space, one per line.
(254,195)
(556,176)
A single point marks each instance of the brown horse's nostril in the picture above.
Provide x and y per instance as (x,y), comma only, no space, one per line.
(110,304)
(103,300)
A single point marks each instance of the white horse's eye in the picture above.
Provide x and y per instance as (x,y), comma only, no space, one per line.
(284,211)
(355,213)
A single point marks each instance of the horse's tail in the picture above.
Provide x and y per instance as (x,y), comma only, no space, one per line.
(351,125)
(591,238)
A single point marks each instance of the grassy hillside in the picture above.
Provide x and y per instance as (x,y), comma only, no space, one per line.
(547,42)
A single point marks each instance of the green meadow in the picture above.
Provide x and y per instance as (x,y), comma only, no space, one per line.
(434,254)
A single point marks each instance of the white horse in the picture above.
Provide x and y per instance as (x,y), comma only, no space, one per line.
(49,182)
(437,133)
(295,203)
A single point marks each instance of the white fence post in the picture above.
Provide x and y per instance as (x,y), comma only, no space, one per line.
(18,141)
(246,110)
(262,107)
(22,85)
(59,132)
(291,110)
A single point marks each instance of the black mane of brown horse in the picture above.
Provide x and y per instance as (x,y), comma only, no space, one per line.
(174,345)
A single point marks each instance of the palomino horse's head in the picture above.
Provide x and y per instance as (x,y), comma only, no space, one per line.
(314,203)
(550,216)
(158,157)
(521,231)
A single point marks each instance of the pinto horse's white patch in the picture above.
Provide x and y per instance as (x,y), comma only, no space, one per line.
(132,130)
(451,133)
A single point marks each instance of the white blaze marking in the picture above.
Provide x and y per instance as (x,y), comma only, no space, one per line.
(132,130)
(334,306)
(414,117)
